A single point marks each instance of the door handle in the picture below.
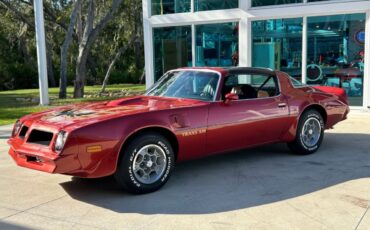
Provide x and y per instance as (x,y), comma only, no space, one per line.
(282,105)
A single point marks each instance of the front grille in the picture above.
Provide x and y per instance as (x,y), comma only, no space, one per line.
(23,132)
(40,137)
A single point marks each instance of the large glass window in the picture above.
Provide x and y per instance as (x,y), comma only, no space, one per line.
(201,5)
(170,6)
(277,44)
(217,44)
(335,53)
(172,49)
(273,2)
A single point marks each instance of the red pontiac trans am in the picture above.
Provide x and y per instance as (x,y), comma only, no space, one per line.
(189,113)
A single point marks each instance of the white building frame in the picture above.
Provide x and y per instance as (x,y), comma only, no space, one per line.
(245,14)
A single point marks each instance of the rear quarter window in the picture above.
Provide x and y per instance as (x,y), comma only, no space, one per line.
(296,83)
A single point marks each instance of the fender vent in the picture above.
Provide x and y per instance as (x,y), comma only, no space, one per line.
(40,137)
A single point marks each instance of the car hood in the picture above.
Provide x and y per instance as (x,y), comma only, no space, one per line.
(88,113)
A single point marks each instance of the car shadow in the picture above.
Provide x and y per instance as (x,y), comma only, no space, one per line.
(10,226)
(238,180)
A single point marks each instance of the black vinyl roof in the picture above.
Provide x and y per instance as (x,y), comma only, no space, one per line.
(250,70)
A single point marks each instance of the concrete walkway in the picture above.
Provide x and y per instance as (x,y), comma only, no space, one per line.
(5,132)
(263,188)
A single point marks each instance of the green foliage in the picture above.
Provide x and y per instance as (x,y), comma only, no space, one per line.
(18,60)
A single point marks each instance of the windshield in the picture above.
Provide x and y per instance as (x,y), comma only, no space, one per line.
(190,84)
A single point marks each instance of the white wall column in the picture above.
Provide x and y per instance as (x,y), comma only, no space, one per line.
(148,44)
(367,63)
(193,44)
(304,49)
(245,35)
(245,4)
(149,54)
(244,43)
(41,52)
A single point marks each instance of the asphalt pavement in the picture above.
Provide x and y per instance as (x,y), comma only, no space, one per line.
(261,188)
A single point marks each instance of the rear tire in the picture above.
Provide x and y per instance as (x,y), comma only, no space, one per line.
(146,164)
(310,133)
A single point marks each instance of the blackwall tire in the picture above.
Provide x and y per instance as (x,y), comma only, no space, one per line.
(310,133)
(146,164)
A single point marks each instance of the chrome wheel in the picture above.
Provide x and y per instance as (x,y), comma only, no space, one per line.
(311,132)
(149,164)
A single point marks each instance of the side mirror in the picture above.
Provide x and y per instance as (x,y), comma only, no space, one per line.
(231,97)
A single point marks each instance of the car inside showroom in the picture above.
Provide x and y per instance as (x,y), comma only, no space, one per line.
(317,42)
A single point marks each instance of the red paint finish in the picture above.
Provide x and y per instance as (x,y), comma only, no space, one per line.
(341,93)
(245,123)
(199,128)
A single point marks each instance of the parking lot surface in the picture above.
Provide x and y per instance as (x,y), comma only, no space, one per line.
(261,188)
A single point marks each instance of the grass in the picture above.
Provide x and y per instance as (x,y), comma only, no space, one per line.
(17,103)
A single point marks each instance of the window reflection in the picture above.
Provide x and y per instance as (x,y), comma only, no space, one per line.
(217,44)
(160,7)
(172,49)
(277,44)
(335,53)
(201,5)
(273,2)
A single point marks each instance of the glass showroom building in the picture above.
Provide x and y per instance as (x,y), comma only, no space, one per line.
(317,42)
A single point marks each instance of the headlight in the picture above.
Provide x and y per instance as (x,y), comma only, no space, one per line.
(61,140)
(16,128)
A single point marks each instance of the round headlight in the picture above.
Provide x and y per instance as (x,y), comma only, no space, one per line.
(61,140)
(16,128)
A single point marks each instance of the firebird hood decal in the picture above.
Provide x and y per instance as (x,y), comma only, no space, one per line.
(75,113)
(65,114)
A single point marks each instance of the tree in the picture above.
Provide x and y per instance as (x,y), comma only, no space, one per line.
(121,51)
(90,34)
(130,19)
(17,10)
(95,43)
(64,50)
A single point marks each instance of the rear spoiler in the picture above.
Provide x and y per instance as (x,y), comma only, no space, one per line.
(341,93)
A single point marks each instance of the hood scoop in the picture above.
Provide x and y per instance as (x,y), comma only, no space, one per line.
(124,101)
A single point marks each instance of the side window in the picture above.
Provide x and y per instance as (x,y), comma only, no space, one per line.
(251,86)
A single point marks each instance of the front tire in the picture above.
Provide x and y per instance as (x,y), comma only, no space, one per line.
(146,164)
(310,133)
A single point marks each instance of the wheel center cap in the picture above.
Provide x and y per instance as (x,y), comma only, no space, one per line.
(149,164)
(310,131)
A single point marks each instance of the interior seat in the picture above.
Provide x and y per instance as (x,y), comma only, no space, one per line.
(263,94)
(248,92)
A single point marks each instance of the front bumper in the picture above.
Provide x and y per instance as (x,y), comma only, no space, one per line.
(33,161)
(75,159)
(41,158)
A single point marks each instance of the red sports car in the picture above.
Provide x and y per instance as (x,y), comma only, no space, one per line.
(189,113)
